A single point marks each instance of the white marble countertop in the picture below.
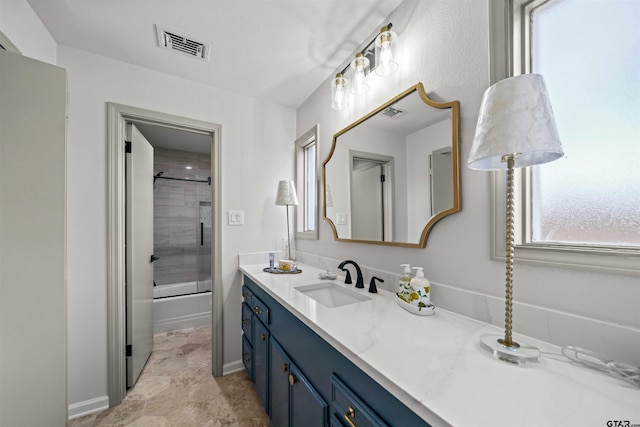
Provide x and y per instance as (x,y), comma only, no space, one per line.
(435,366)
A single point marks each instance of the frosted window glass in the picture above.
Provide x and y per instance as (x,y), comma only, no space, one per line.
(589,55)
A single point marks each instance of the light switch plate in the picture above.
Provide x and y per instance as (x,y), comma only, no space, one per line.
(236,217)
(341,218)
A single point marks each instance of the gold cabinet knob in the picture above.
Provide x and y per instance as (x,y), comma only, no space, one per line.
(284,367)
(292,379)
(263,337)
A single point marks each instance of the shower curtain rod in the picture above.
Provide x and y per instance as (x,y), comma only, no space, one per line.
(208,180)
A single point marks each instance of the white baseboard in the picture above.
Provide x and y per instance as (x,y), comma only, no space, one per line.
(230,368)
(88,407)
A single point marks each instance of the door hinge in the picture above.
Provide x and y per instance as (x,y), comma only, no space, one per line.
(129,350)
(127,146)
(382,178)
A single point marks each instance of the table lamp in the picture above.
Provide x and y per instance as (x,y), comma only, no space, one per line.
(515,129)
(286,197)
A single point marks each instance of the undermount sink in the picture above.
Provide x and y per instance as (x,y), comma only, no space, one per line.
(331,294)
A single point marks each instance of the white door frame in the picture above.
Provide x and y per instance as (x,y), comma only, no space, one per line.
(118,115)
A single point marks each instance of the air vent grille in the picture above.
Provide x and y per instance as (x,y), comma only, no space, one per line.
(181,43)
(393,113)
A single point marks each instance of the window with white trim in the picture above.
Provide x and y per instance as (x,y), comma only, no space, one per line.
(582,210)
(307,166)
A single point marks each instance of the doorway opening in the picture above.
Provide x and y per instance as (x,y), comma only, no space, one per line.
(208,134)
(372,194)
(182,210)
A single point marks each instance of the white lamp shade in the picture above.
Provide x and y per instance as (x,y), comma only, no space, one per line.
(286,194)
(515,118)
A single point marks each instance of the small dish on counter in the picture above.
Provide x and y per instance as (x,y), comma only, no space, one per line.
(275,270)
(420,311)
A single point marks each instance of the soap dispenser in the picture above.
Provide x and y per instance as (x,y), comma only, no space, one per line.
(420,289)
(404,286)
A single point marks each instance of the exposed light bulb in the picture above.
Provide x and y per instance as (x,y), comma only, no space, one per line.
(339,95)
(385,64)
(360,67)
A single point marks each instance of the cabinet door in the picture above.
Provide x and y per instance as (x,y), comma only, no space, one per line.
(308,408)
(279,386)
(261,361)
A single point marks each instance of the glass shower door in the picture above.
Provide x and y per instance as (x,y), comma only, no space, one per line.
(182,236)
(203,197)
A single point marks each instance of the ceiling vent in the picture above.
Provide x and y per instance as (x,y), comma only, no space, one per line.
(181,43)
(393,113)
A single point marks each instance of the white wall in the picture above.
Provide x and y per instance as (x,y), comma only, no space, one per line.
(257,151)
(444,45)
(20,24)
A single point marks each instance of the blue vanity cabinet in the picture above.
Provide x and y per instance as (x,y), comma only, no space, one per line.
(294,401)
(324,374)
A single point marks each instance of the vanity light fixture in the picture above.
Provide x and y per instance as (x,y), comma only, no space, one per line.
(380,50)
(287,197)
(516,128)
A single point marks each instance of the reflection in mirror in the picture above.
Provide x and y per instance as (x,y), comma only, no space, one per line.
(390,176)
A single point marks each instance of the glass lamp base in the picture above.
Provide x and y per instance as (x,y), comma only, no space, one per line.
(518,354)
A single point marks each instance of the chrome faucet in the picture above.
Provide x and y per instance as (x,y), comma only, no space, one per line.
(359,280)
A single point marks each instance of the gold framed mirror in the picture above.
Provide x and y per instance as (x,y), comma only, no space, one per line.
(394,173)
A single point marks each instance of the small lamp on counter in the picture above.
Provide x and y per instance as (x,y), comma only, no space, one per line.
(287,197)
(516,128)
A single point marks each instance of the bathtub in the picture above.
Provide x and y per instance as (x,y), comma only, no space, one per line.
(180,312)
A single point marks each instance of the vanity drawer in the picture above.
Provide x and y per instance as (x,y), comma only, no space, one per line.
(247,314)
(348,409)
(260,310)
(247,295)
(247,352)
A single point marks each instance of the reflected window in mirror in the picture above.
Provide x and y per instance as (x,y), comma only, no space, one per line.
(307,178)
(391,175)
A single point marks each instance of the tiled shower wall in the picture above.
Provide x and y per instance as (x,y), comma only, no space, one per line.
(178,209)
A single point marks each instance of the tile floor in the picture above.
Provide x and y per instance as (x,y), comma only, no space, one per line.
(176,389)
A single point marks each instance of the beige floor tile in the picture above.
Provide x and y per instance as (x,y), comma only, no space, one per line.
(176,389)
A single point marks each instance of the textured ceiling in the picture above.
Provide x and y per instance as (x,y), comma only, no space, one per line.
(279,51)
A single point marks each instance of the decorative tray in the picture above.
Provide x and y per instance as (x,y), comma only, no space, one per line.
(275,270)
(420,311)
